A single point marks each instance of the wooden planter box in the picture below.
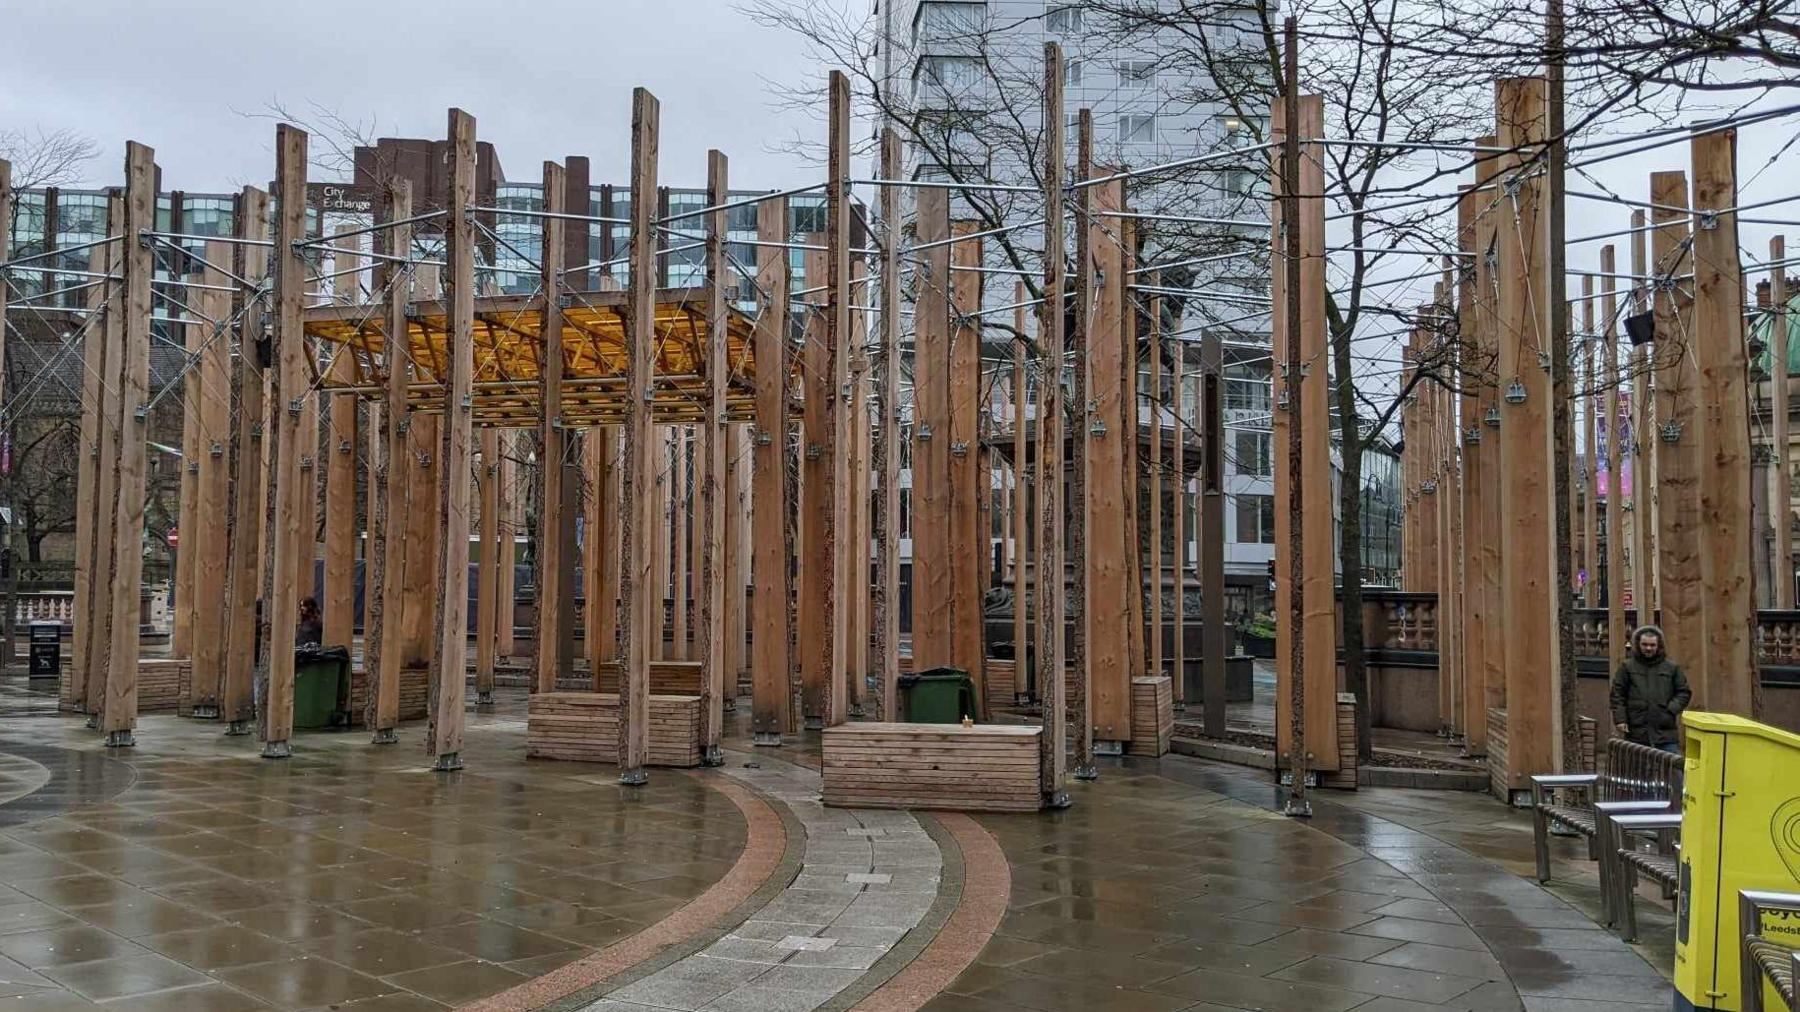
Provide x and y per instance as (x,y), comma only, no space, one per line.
(584,727)
(667,678)
(985,768)
(1152,716)
(162,683)
(415,685)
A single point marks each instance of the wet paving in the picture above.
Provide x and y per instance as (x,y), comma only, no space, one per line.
(191,874)
(1174,884)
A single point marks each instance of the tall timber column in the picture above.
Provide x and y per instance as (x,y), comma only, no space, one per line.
(554,624)
(1053,754)
(93,489)
(1726,570)
(714,626)
(1476,478)
(338,602)
(1646,591)
(1613,433)
(132,384)
(384,639)
(207,539)
(769,661)
(969,481)
(934,615)
(288,483)
(245,551)
(1677,436)
(1528,562)
(487,571)
(1781,508)
(1485,571)
(448,667)
(815,428)
(1021,507)
(830,506)
(1302,400)
(1110,423)
(642,610)
(886,587)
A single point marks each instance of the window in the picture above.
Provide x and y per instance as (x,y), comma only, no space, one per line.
(1137,128)
(943,22)
(1255,519)
(1072,73)
(1137,75)
(953,73)
(1062,20)
(1247,387)
(1253,452)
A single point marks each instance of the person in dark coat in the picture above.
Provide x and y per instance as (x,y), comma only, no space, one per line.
(310,630)
(1649,692)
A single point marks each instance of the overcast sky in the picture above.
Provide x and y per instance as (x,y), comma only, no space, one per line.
(543,78)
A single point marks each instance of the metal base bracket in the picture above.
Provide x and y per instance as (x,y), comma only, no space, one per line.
(237,728)
(93,722)
(447,762)
(205,711)
(385,736)
(766,739)
(1086,773)
(1109,747)
(1021,699)
(120,739)
(277,750)
(712,755)
(484,699)
(633,778)
(815,723)
(1057,799)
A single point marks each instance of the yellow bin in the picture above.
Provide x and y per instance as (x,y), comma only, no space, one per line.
(1740,829)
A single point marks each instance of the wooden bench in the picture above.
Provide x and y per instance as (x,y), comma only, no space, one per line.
(1762,958)
(584,727)
(1637,779)
(984,768)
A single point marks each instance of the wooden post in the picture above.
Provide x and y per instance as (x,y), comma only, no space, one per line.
(487,582)
(1726,571)
(94,484)
(934,621)
(856,598)
(1450,530)
(338,601)
(680,476)
(1106,537)
(641,620)
(1211,531)
(1156,483)
(1306,400)
(1590,556)
(737,558)
(1178,646)
(245,552)
(1613,431)
(815,430)
(1053,346)
(1681,590)
(1646,587)
(1527,489)
(1081,694)
(449,683)
(1021,504)
(181,618)
(886,587)
(1475,579)
(207,532)
(1781,502)
(288,482)
(770,658)
(132,384)
(714,626)
(511,513)
(551,564)
(1485,571)
(969,483)
(383,639)
(832,509)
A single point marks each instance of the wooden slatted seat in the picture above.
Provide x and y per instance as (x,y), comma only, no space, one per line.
(584,727)
(983,768)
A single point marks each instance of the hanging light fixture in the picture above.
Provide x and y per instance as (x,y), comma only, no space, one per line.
(1515,392)
(1492,418)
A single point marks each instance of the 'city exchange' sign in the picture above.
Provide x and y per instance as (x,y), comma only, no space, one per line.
(341,198)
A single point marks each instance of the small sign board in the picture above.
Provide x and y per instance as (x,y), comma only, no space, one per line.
(341,198)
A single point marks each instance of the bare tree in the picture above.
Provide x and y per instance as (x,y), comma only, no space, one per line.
(43,158)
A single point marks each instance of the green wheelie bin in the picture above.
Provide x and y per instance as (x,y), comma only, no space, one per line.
(937,696)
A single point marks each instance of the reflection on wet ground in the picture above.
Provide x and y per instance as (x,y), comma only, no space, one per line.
(189,874)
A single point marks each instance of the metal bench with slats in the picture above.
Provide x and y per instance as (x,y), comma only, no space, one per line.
(1761,958)
(1637,779)
(1629,863)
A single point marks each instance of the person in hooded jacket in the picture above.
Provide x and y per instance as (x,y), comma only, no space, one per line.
(1649,692)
